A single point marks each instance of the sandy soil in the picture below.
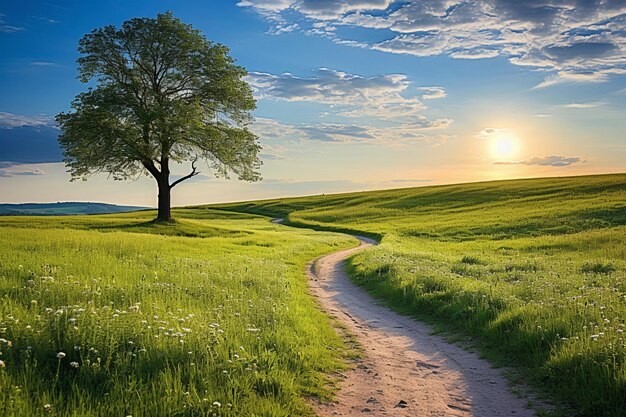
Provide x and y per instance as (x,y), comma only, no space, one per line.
(406,371)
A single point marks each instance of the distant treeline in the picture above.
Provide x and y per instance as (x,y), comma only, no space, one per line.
(63,209)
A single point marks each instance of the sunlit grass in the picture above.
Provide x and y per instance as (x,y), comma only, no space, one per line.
(532,269)
(114,315)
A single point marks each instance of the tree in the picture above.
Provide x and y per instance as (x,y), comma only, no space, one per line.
(163,94)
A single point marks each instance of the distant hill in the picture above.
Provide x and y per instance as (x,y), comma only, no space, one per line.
(63,209)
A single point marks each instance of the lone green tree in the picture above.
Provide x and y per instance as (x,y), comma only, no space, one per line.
(163,94)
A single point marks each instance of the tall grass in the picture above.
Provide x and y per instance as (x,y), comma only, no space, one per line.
(532,269)
(112,315)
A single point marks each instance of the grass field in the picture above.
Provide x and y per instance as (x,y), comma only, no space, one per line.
(532,269)
(115,316)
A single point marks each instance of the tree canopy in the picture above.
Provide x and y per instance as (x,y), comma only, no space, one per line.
(163,94)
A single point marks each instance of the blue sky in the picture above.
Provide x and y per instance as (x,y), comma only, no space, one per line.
(352,95)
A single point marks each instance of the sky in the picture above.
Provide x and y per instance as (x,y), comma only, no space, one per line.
(351,95)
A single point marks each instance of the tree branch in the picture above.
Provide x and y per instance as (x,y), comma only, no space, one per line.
(149,165)
(193,173)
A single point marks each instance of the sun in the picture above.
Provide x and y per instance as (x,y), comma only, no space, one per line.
(504,145)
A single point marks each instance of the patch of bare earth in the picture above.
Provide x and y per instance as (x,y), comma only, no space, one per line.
(405,371)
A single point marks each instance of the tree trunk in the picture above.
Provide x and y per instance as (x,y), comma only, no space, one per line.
(165,213)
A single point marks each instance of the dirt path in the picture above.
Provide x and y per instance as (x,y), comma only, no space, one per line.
(406,371)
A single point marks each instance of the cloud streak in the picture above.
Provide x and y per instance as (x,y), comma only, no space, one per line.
(46,19)
(350,133)
(10,120)
(490,132)
(6,28)
(582,105)
(552,161)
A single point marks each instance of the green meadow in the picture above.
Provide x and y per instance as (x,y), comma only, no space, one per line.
(533,271)
(116,316)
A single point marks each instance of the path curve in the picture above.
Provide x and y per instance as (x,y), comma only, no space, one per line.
(406,371)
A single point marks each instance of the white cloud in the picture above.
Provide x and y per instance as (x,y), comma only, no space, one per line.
(553,161)
(43,64)
(365,20)
(266,128)
(12,169)
(281,28)
(47,19)
(316,9)
(577,40)
(337,132)
(267,5)
(328,86)
(381,96)
(333,9)
(582,105)
(275,152)
(490,132)
(10,120)
(569,77)
(432,93)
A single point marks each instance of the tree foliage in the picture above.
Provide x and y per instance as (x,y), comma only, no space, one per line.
(163,93)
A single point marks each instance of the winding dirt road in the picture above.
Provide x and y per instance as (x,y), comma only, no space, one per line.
(406,371)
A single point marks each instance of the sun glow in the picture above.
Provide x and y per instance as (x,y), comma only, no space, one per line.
(504,145)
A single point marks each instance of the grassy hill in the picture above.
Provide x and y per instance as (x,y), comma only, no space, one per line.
(532,269)
(114,315)
(62,209)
